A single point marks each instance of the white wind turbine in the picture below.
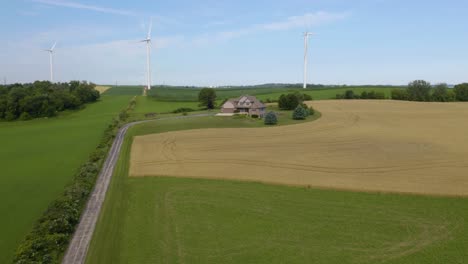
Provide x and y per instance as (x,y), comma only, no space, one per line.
(306,44)
(148,54)
(51,56)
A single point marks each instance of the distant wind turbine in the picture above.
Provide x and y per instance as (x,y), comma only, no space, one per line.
(51,55)
(306,44)
(148,54)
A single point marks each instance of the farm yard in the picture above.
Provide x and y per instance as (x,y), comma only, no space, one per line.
(368,185)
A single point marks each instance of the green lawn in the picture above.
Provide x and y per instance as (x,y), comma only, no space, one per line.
(39,157)
(174,220)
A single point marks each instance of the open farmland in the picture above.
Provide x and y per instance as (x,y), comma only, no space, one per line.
(386,146)
(191,220)
(39,158)
(261,92)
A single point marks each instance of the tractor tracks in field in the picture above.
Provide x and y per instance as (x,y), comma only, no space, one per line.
(79,244)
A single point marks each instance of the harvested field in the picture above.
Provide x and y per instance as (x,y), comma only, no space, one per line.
(388,146)
(102,89)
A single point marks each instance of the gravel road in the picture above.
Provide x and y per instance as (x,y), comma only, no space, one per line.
(78,247)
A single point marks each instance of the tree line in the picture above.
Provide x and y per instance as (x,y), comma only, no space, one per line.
(44,99)
(424,92)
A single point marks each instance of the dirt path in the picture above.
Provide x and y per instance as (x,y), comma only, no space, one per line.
(389,146)
(78,247)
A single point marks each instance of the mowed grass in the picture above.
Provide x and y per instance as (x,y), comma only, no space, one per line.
(177,220)
(39,157)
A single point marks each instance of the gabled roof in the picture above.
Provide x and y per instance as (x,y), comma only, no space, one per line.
(247,101)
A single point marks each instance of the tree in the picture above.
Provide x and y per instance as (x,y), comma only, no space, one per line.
(290,101)
(349,94)
(441,93)
(419,90)
(207,98)
(461,92)
(299,113)
(271,119)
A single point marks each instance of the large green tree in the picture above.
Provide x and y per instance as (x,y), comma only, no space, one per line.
(461,92)
(419,90)
(441,93)
(207,98)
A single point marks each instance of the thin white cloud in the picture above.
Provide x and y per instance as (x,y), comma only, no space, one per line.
(304,21)
(76,5)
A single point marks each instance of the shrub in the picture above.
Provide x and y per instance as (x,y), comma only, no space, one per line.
(299,113)
(25,116)
(307,97)
(399,94)
(182,110)
(254,116)
(349,94)
(271,119)
(461,92)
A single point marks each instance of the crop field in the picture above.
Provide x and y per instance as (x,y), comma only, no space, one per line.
(39,157)
(191,94)
(102,89)
(179,219)
(388,146)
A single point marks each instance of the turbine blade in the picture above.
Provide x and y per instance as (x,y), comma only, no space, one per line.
(53,46)
(149,29)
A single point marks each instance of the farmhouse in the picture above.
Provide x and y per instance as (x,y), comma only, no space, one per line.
(245,104)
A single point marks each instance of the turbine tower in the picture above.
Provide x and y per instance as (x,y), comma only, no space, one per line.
(306,43)
(51,56)
(148,54)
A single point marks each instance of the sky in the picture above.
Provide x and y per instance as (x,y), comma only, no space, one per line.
(221,42)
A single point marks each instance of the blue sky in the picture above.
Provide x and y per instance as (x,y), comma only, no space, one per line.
(236,42)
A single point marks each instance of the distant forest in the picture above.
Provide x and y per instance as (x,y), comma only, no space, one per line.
(43,99)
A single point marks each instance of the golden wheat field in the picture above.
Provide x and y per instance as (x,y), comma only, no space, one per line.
(102,89)
(389,146)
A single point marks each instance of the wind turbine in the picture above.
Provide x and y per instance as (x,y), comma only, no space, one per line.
(306,43)
(51,55)
(148,54)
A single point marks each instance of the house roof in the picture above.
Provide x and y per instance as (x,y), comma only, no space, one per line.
(246,101)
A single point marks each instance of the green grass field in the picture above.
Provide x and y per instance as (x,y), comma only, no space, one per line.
(39,157)
(174,220)
(191,94)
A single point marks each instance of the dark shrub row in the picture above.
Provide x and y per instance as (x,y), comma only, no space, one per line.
(51,234)
(183,110)
(349,94)
(43,99)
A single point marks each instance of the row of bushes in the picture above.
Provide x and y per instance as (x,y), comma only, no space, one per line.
(183,110)
(51,234)
(423,91)
(349,94)
(43,99)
